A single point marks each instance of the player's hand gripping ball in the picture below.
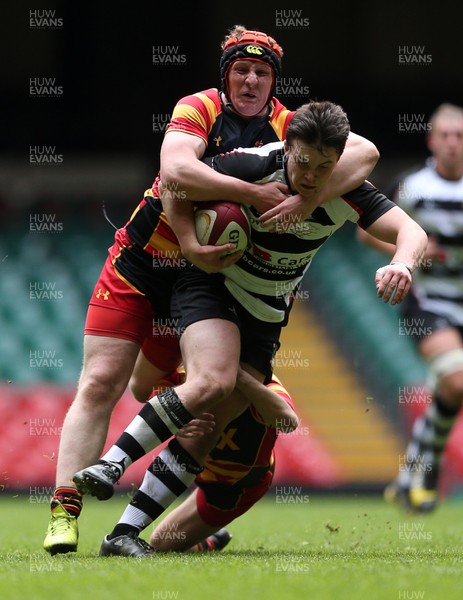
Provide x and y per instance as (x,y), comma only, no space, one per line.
(222,222)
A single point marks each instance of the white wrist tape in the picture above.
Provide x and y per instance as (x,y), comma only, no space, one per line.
(402,264)
(382,270)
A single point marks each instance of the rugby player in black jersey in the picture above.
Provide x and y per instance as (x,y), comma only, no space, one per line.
(131,291)
(237,315)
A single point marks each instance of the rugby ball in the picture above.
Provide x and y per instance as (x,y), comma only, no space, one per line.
(222,222)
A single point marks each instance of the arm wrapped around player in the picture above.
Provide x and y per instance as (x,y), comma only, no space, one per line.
(275,411)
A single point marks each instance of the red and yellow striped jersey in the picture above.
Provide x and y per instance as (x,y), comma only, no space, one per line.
(204,115)
(245,445)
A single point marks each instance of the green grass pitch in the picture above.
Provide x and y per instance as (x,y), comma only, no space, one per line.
(322,548)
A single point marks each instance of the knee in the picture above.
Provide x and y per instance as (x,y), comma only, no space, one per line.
(212,388)
(101,385)
(141,391)
(220,385)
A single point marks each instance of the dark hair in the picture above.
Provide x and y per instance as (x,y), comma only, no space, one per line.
(321,125)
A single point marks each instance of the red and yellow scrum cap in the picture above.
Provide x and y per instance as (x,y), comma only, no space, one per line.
(251,45)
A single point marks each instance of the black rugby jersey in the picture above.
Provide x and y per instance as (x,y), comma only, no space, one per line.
(274,263)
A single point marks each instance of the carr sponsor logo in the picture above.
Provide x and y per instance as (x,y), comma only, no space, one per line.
(45,87)
(414,56)
(44,223)
(45,156)
(44,19)
(291,19)
(168,55)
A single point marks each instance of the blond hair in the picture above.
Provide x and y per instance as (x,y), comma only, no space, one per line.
(237,32)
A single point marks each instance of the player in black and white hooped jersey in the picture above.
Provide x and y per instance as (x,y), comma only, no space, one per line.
(235,319)
(433,311)
(272,266)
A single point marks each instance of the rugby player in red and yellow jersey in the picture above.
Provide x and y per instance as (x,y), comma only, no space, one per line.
(222,325)
(237,473)
(133,290)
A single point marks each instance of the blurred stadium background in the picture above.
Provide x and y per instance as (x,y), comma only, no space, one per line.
(86,107)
